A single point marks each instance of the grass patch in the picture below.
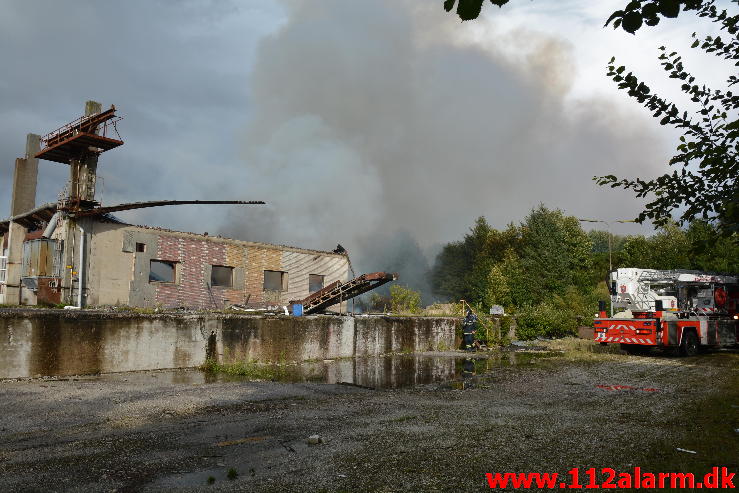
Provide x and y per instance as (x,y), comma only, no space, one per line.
(576,349)
(708,428)
(252,370)
(137,310)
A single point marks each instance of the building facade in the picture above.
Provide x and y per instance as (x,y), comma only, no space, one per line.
(76,253)
(146,267)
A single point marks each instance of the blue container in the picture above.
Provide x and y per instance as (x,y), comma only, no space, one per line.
(297,310)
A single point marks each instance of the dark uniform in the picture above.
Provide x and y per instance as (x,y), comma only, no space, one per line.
(469,327)
(468,371)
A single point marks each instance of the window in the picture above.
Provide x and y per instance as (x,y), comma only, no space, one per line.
(220,275)
(162,271)
(275,280)
(315,283)
(140,247)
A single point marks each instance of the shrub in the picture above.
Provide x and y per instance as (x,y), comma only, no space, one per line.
(404,299)
(545,320)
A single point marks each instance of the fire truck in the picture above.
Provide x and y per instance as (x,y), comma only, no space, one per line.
(680,309)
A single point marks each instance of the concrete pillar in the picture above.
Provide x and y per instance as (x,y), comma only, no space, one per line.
(25,178)
(83,172)
(82,180)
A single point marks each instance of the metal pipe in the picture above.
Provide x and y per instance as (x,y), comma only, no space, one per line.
(81,273)
(51,227)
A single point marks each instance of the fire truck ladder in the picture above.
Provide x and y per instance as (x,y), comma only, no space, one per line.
(338,291)
(646,278)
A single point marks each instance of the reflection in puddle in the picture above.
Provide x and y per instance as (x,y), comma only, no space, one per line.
(382,372)
(387,372)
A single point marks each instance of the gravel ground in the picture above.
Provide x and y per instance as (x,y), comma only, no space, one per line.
(173,430)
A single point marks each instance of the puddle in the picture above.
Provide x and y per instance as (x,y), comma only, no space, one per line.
(383,372)
(387,372)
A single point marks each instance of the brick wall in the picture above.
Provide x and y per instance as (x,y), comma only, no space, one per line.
(261,259)
(194,255)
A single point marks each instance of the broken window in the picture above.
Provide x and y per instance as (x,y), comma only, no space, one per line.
(140,247)
(221,275)
(162,271)
(275,280)
(315,283)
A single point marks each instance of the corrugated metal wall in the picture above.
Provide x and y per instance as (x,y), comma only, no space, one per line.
(42,258)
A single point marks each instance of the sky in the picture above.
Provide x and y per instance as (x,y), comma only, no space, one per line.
(386,126)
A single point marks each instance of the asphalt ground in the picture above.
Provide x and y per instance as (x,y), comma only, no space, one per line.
(523,412)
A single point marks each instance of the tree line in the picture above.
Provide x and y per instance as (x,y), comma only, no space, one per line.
(550,273)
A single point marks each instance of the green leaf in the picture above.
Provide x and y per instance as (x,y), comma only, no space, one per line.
(695,44)
(616,15)
(632,21)
(669,8)
(499,3)
(733,125)
(649,10)
(469,9)
(449,5)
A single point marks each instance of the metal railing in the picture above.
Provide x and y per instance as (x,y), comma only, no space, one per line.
(3,269)
(100,123)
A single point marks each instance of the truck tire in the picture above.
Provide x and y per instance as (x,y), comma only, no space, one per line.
(689,344)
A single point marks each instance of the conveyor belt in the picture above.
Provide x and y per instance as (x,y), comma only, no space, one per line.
(341,291)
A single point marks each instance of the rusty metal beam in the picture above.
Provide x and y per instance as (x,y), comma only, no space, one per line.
(74,146)
(85,124)
(85,135)
(158,203)
(342,291)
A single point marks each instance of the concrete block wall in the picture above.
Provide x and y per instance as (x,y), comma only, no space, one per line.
(59,342)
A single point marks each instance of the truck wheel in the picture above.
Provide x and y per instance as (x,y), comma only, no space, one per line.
(689,344)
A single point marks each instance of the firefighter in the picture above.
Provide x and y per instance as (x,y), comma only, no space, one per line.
(468,371)
(469,328)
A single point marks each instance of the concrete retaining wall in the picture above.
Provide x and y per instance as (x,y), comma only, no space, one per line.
(58,342)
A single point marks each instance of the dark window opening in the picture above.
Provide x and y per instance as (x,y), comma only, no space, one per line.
(220,275)
(140,247)
(161,271)
(315,283)
(275,280)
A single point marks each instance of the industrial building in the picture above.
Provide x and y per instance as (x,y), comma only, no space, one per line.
(76,252)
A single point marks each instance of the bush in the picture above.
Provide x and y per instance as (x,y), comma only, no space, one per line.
(378,303)
(545,320)
(404,300)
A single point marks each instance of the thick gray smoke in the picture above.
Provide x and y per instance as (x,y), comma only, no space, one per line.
(376,117)
(365,118)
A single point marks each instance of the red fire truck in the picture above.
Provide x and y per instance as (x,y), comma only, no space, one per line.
(681,309)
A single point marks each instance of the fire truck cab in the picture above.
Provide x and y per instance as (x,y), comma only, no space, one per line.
(678,309)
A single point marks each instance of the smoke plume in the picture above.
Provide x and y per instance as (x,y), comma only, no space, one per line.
(378,126)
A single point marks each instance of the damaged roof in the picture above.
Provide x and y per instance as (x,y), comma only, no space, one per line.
(30,219)
(37,217)
(43,214)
